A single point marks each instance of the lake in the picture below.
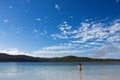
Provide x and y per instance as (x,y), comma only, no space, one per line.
(59,71)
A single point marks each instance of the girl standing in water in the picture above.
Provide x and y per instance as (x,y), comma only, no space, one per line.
(79,68)
(80,71)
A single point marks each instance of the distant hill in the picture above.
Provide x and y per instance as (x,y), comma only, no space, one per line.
(19,58)
(24,58)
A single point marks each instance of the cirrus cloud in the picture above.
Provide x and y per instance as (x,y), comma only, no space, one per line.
(96,35)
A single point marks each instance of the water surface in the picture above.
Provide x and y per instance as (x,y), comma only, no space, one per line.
(58,71)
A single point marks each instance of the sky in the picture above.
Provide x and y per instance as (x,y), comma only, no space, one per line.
(56,28)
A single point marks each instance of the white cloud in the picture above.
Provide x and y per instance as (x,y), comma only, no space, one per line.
(114,28)
(37,33)
(57,7)
(55,36)
(107,50)
(52,51)
(42,20)
(101,37)
(35,30)
(12,51)
(19,30)
(55,51)
(84,39)
(45,32)
(5,21)
(114,38)
(38,19)
(93,43)
(77,41)
(3,33)
(10,7)
(59,47)
(92,34)
(64,28)
(88,31)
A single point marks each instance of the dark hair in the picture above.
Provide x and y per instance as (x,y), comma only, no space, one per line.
(79,64)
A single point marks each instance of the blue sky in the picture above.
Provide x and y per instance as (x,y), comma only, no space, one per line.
(55,28)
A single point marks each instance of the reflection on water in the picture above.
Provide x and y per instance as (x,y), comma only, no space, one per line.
(58,71)
(80,76)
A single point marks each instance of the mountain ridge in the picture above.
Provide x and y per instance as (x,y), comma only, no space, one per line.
(4,57)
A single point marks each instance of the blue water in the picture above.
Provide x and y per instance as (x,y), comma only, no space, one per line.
(58,71)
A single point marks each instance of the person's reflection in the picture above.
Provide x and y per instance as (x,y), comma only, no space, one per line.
(80,77)
(79,72)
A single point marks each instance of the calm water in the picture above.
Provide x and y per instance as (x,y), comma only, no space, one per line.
(58,71)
